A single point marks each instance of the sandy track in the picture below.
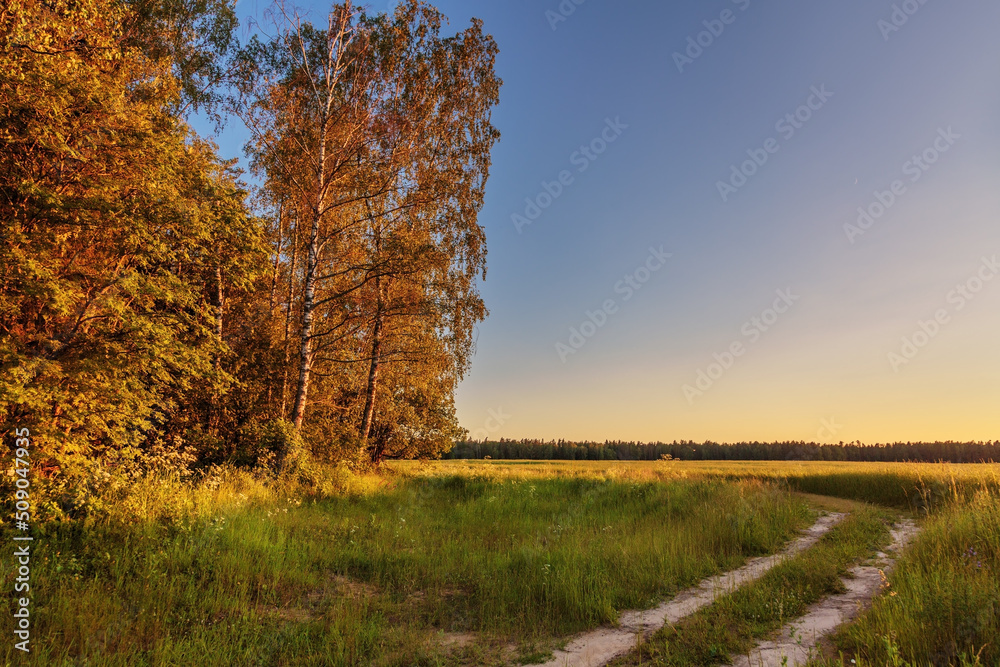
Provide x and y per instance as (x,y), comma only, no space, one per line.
(798,640)
(598,647)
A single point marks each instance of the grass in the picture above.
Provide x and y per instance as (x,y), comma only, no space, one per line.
(912,486)
(479,562)
(733,623)
(945,603)
(241,573)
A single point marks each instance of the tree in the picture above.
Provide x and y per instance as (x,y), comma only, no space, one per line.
(194,36)
(423,192)
(303,96)
(374,134)
(119,226)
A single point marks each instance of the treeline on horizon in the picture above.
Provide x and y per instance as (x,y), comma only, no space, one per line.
(157,313)
(541,450)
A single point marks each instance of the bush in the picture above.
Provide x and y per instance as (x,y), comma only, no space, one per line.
(274,446)
(331,441)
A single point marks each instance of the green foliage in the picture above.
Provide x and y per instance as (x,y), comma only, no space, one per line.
(194,36)
(333,440)
(273,446)
(143,329)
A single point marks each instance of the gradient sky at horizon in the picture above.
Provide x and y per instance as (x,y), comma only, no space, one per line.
(822,371)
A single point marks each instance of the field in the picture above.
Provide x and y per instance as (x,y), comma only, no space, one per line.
(454,563)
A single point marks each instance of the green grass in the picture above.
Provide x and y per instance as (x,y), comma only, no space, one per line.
(242,573)
(515,556)
(911,486)
(735,622)
(944,606)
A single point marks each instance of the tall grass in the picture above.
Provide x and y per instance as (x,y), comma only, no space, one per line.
(555,555)
(239,570)
(735,622)
(914,486)
(944,604)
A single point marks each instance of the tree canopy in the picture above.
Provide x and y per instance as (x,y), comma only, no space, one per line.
(152,305)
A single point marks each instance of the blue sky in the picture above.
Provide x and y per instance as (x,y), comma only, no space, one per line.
(887,332)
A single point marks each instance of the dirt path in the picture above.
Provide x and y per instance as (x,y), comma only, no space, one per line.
(798,640)
(600,646)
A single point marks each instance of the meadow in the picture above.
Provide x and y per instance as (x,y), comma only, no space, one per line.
(489,563)
(908,486)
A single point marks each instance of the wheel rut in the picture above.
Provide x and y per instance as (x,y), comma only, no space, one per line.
(601,646)
(798,641)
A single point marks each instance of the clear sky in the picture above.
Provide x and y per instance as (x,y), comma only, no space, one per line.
(691,261)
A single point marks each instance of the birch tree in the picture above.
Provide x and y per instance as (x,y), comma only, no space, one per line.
(376,131)
(303,95)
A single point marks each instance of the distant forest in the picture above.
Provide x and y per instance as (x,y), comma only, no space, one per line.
(952,452)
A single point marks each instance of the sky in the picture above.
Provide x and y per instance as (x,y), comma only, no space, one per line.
(737,220)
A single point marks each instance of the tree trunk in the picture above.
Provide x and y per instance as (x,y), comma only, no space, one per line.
(312,267)
(217,302)
(277,261)
(366,424)
(373,364)
(308,306)
(271,303)
(288,318)
(378,451)
(216,411)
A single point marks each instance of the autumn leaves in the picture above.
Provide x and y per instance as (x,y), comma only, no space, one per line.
(149,302)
